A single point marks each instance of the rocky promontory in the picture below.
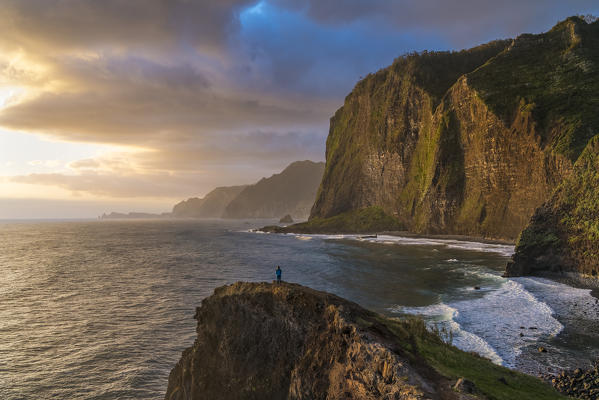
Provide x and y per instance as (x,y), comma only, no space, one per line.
(286,341)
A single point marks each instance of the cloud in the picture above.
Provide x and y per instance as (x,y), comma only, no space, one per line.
(214,92)
(153,25)
(181,169)
(108,185)
(462,21)
(45,163)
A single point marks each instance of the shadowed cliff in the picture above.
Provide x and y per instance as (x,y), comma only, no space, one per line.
(268,341)
(210,206)
(290,192)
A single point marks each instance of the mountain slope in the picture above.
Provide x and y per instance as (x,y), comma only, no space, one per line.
(469,142)
(290,192)
(211,206)
(286,341)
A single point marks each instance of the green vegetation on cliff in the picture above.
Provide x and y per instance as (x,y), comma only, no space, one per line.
(385,111)
(368,220)
(286,341)
(492,381)
(554,76)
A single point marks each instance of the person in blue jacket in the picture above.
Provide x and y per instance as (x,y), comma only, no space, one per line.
(278,272)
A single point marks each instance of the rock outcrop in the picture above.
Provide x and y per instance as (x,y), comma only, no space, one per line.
(563,235)
(468,142)
(290,192)
(286,219)
(285,341)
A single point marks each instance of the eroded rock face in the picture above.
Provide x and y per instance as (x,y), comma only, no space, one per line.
(563,234)
(469,142)
(263,341)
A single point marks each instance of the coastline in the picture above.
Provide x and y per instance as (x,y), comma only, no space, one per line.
(464,238)
(572,279)
(575,325)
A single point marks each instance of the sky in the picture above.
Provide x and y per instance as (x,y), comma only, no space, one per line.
(134,105)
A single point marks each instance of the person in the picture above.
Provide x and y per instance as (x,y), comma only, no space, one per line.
(278,272)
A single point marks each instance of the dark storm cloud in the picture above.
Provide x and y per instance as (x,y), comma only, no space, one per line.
(81,24)
(126,99)
(450,17)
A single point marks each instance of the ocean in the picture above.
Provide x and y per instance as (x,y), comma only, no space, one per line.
(103,309)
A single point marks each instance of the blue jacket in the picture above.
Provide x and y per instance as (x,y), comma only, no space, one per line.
(278,271)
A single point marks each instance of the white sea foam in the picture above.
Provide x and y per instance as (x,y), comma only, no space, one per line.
(452,260)
(445,315)
(491,325)
(303,237)
(482,272)
(503,249)
(569,303)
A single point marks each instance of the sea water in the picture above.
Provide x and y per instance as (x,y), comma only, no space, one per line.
(103,309)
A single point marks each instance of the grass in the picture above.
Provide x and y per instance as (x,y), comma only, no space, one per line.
(553,76)
(367,220)
(493,381)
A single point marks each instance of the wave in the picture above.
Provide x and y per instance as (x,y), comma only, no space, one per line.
(445,315)
(302,237)
(492,324)
(503,249)
(570,304)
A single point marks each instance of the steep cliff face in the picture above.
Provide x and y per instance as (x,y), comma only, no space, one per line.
(263,341)
(469,142)
(290,192)
(210,206)
(563,235)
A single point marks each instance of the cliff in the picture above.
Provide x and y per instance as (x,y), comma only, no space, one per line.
(268,341)
(211,206)
(290,192)
(468,142)
(563,235)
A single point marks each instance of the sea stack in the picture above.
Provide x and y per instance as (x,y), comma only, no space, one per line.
(286,219)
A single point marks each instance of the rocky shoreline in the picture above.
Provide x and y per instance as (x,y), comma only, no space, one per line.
(579,384)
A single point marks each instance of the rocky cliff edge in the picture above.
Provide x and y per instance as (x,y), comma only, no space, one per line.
(286,341)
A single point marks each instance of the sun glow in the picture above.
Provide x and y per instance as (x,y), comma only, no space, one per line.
(10,95)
